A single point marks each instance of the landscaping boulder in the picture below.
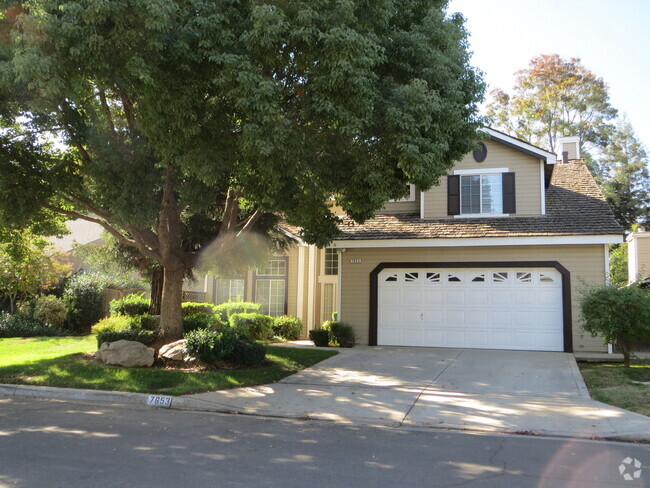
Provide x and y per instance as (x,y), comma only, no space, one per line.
(125,353)
(174,350)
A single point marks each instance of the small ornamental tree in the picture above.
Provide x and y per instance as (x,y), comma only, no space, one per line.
(620,315)
(29,267)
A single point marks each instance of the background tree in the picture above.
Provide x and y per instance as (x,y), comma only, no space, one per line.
(623,176)
(28,266)
(618,265)
(171,109)
(554,97)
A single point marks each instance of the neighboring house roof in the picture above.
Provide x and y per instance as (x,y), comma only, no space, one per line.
(574,206)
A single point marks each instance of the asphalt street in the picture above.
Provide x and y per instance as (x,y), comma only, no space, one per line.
(67,444)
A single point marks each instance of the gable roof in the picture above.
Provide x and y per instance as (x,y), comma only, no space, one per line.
(575,206)
(523,146)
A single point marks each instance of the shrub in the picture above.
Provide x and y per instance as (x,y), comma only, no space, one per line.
(191,308)
(342,334)
(287,327)
(321,337)
(248,354)
(200,321)
(225,310)
(620,315)
(144,322)
(17,325)
(210,347)
(84,295)
(255,325)
(111,324)
(50,310)
(131,305)
(146,337)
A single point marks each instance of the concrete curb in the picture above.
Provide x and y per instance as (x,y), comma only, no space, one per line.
(577,376)
(198,405)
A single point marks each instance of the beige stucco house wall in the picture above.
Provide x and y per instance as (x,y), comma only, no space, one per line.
(638,256)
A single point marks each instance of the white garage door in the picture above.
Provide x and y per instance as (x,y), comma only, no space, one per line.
(512,308)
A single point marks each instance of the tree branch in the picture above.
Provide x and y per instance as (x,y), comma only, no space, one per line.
(252,220)
(231,211)
(127,105)
(107,110)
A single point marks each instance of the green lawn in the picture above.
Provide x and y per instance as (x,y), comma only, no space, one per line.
(612,383)
(53,361)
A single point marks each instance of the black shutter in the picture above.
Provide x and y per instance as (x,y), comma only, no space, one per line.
(453,195)
(509,193)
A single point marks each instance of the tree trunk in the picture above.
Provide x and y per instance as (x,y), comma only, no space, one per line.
(157,279)
(171,324)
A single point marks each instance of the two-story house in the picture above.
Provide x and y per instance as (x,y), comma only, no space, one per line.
(493,257)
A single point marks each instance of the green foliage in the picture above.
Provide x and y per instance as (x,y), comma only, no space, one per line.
(131,305)
(191,308)
(209,346)
(624,177)
(618,275)
(29,265)
(50,310)
(144,321)
(225,310)
(287,327)
(254,325)
(111,324)
(287,104)
(341,334)
(320,337)
(17,325)
(115,328)
(620,315)
(200,321)
(146,337)
(84,294)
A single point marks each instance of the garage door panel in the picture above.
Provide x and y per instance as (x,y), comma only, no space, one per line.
(391,296)
(479,308)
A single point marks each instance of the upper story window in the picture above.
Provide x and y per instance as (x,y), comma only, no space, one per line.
(481,193)
(409,196)
(331,265)
(274,267)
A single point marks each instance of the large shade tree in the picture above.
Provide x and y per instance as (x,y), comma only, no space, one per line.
(246,109)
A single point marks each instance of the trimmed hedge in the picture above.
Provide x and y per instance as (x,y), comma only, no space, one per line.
(255,325)
(131,305)
(209,346)
(50,310)
(145,321)
(200,320)
(17,325)
(146,337)
(342,334)
(225,310)
(287,327)
(320,337)
(192,308)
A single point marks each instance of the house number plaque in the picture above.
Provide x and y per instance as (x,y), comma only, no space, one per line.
(356,261)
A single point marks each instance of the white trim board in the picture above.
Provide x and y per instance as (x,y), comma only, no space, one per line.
(478,242)
(480,171)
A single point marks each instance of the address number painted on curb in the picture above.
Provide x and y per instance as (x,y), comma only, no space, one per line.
(159,401)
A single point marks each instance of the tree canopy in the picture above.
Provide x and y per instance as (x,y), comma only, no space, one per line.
(237,113)
(555,97)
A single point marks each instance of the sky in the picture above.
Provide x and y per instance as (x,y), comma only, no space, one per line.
(612,38)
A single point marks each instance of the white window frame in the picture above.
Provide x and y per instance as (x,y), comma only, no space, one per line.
(473,172)
(409,198)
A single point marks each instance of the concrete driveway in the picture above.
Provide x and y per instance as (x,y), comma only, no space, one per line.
(484,390)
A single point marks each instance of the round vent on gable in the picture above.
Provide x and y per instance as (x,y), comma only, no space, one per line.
(480,153)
